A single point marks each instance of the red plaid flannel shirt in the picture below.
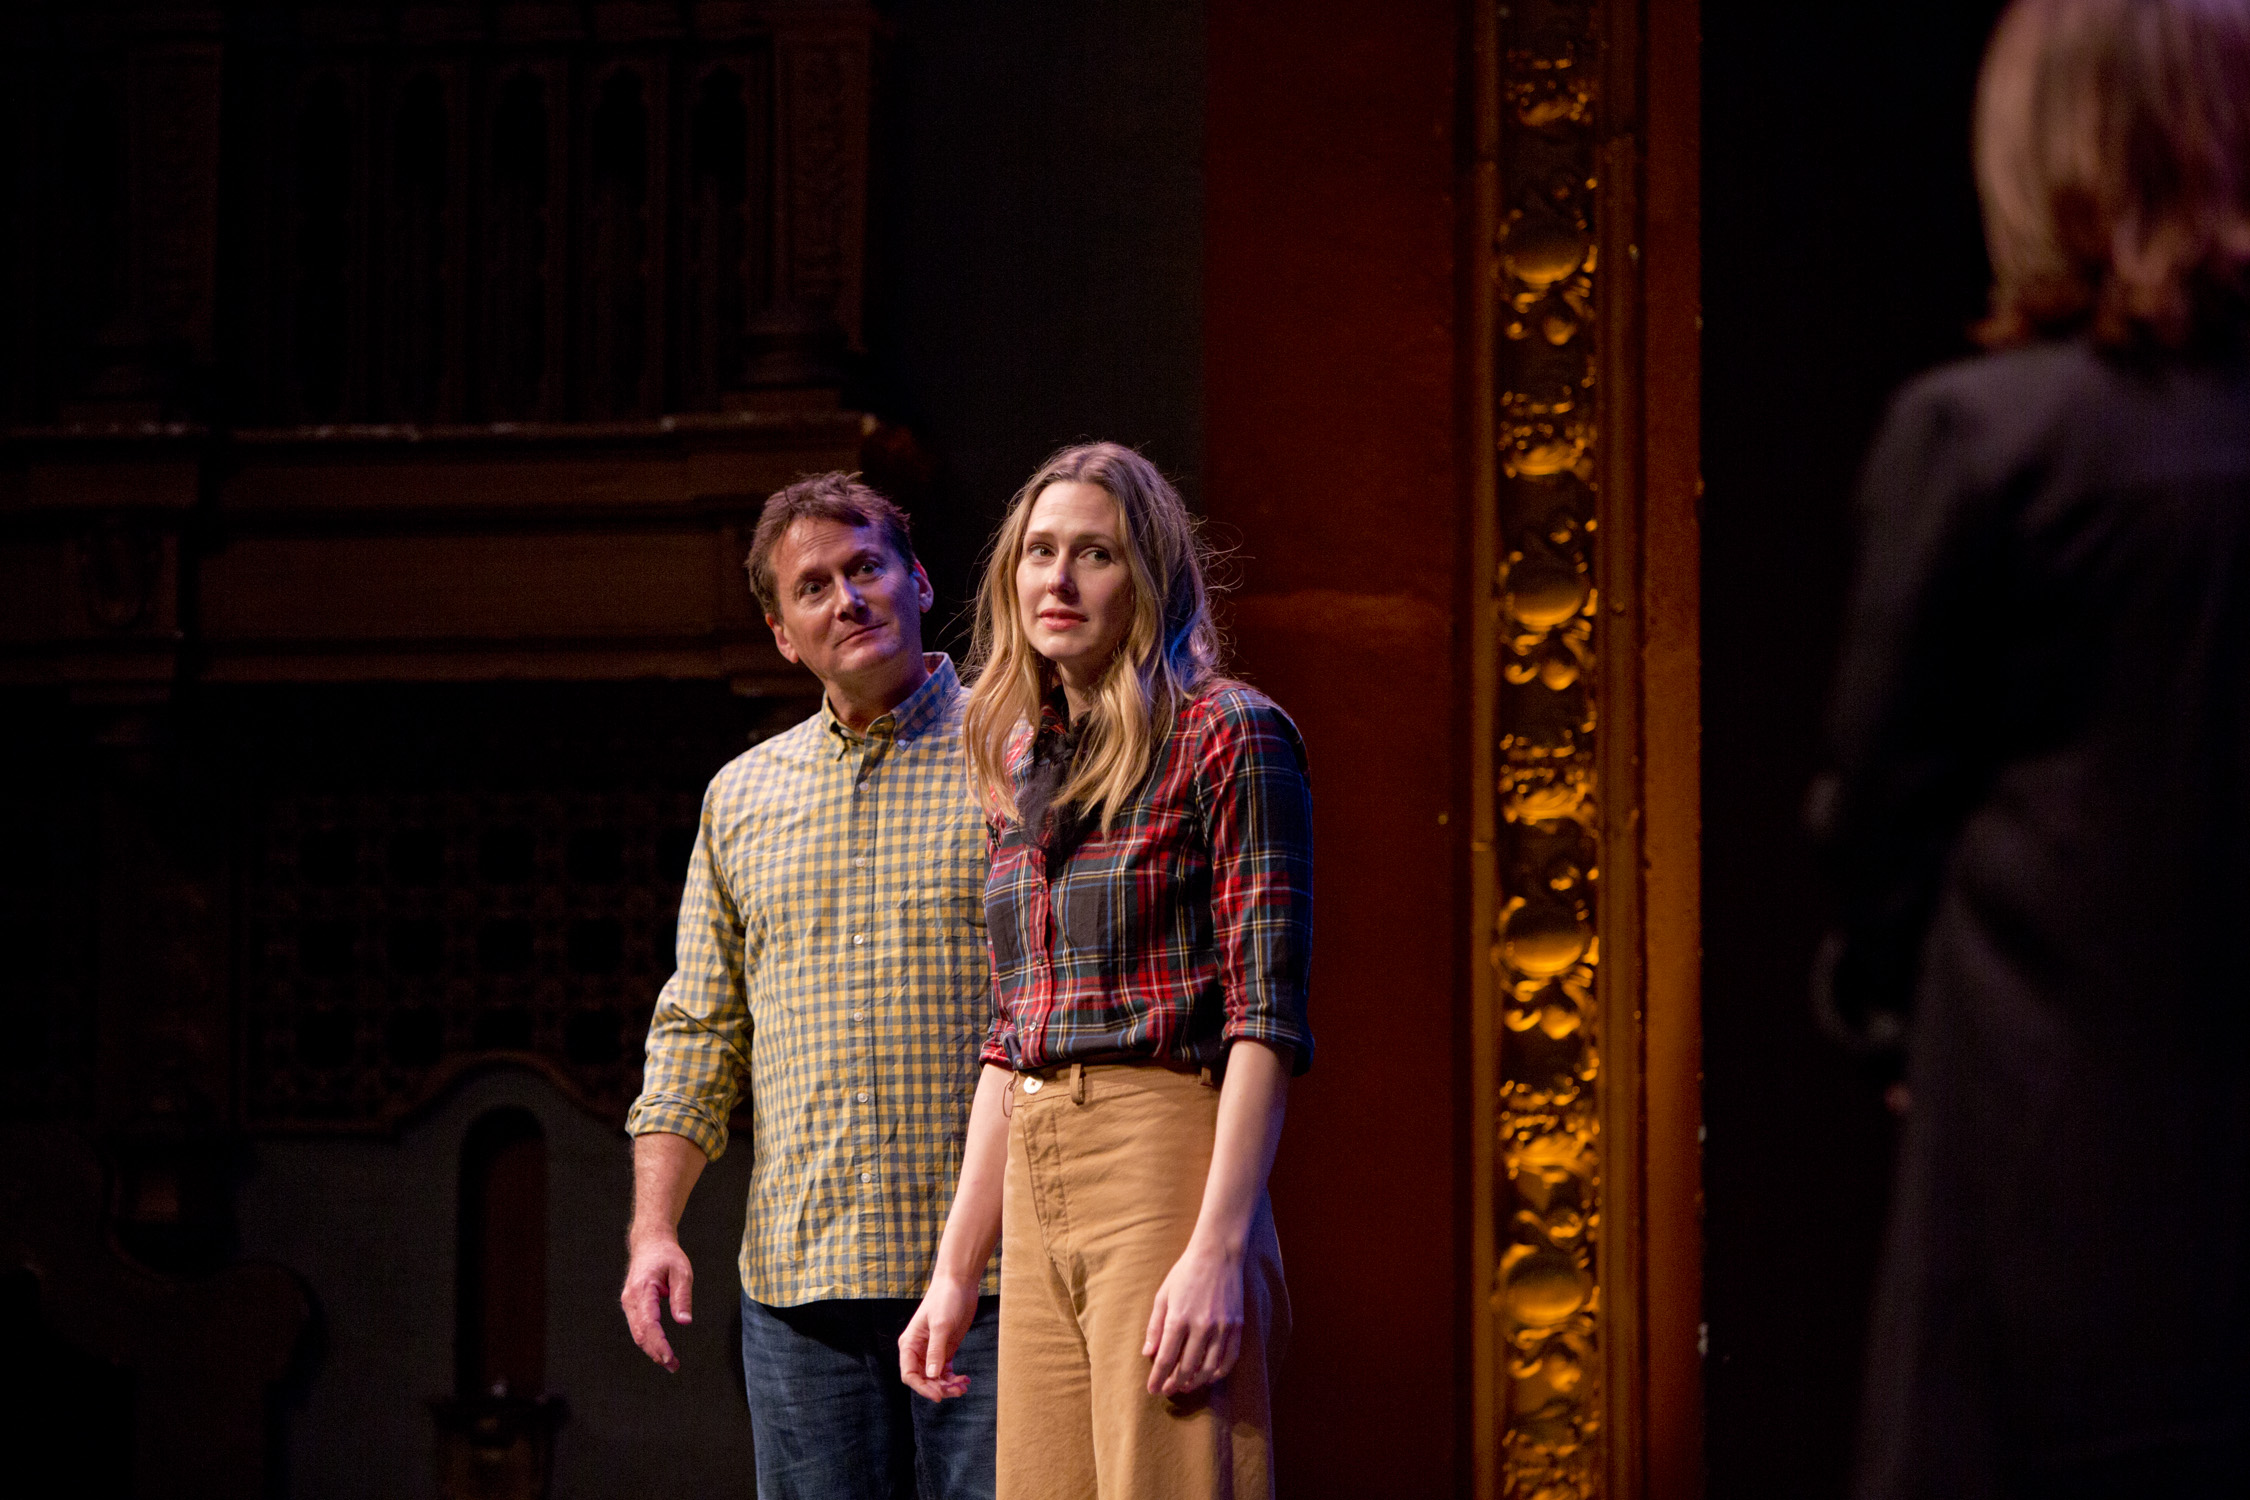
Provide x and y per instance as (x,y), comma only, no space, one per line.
(1184,927)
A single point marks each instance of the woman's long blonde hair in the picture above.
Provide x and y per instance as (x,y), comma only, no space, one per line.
(1169,653)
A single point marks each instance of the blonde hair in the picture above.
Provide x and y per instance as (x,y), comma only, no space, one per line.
(1169,653)
(2113,163)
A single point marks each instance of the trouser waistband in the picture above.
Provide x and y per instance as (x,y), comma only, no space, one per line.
(1029,1082)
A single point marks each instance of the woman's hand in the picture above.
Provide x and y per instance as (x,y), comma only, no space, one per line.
(925,1350)
(1195,1328)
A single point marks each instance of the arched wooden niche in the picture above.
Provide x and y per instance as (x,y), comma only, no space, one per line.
(500,1308)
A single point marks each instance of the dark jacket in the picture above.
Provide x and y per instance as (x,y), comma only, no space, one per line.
(2039,827)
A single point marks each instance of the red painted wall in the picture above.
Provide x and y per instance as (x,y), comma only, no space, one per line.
(1330,432)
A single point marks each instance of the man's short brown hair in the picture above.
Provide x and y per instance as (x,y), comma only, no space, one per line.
(839,497)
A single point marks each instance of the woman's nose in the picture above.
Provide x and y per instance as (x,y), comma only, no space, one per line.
(1059,582)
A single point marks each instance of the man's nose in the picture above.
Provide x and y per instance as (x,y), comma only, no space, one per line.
(849,600)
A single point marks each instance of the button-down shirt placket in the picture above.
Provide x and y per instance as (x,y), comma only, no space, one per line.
(862,830)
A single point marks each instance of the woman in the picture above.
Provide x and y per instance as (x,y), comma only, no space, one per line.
(1150,913)
(2040,818)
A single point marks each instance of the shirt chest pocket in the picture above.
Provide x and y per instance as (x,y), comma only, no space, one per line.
(941,909)
(1133,894)
(773,874)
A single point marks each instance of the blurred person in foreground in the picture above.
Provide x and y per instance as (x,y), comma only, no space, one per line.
(2039,816)
(832,970)
(1150,910)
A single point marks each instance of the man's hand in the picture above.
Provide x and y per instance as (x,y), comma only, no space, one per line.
(925,1350)
(659,1273)
(1195,1328)
(664,1171)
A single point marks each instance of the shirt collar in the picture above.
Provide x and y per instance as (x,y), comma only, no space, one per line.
(1055,723)
(918,712)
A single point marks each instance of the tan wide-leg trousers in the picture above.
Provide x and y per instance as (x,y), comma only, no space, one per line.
(1105,1176)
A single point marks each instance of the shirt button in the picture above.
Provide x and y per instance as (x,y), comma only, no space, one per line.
(1031,1085)
(867,1177)
(861,1096)
(858,938)
(860,861)
(859,1015)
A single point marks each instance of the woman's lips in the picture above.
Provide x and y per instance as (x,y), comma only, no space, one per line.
(1059,619)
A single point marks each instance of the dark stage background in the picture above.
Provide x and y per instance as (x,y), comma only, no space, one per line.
(1226,231)
(1841,253)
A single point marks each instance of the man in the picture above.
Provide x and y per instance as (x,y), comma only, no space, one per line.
(831,961)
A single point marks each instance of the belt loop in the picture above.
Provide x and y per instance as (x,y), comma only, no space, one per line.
(1203,1076)
(1078,1083)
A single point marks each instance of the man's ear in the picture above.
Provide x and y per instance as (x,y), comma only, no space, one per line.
(781,639)
(922,589)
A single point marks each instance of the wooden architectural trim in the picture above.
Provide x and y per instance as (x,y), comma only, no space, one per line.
(1671,747)
(551,551)
(1580,356)
(1479,294)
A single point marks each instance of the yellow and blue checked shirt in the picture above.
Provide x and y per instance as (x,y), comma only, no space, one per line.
(831,961)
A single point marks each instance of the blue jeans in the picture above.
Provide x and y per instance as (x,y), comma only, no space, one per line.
(832,1421)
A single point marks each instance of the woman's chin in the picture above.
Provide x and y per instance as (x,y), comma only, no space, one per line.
(1070,666)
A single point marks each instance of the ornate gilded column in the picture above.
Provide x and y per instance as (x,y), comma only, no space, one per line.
(1583,868)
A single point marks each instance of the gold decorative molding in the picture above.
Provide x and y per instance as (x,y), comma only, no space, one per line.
(1545,1291)
(1578,612)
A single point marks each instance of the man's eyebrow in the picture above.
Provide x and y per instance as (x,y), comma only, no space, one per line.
(813,571)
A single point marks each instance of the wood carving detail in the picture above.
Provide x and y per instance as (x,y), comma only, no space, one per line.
(825,88)
(1546,1295)
(119,566)
(485,220)
(436,888)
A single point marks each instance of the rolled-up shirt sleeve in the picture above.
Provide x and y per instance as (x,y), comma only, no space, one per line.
(1256,800)
(698,1054)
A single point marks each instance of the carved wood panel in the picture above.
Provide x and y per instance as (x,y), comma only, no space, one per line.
(1547,943)
(539,214)
(1585,988)
(435,878)
(48,996)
